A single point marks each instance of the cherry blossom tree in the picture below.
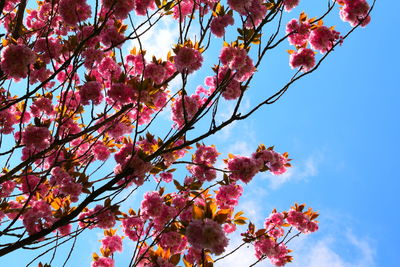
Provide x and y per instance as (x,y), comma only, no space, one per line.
(80,93)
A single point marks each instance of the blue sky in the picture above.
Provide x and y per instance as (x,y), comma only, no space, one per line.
(341,127)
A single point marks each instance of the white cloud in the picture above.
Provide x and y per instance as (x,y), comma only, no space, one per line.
(309,253)
(159,39)
(301,171)
(322,253)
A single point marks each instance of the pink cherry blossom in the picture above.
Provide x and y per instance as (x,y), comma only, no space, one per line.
(218,24)
(6,188)
(15,60)
(323,38)
(152,204)
(74,11)
(299,32)
(355,11)
(290,4)
(228,196)
(113,243)
(187,59)
(121,8)
(133,227)
(243,168)
(41,106)
(36,137)
(184,111)
(103,262)
(91,91)
(207,234)
(38,217)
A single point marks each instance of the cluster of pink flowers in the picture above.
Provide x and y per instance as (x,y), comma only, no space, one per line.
(184,110)
(121,8)
(154,208)
(113,243)
(290,4)
(103,262)
(101,151)
(158,72)
(91,91)
(323,38)
(231,87)
(8,118)
(42,106)
(173,241)
(6,188)
(133,227)
(48,48)
(301,222)
(243,168)
(100,216)
(303,58)
(207,234)
(299,32)
(187,59)
(126,158)
(204,159)
(74,11)
(31,184)
(35,137)
(67,185)
(254,10)
(268,247)
(228,196)
(16,59)
(275,161)
(354,12)
(267,244)
(38,217)
(152,204)
(237,60)
(218,24)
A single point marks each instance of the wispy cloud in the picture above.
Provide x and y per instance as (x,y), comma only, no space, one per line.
(301,171)
(309,252)
(323,253)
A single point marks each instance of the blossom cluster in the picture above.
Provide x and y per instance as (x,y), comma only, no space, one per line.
(270,241)
(245,168)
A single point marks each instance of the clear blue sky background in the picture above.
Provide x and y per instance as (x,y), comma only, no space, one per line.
(341,127)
